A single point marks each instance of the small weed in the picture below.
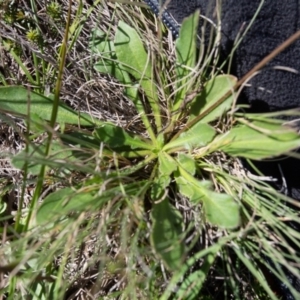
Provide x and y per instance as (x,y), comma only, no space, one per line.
(150,203)
(33,35)
(54,10)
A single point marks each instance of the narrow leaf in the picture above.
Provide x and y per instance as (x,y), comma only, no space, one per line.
(186,44)
(256,274)
(192,285)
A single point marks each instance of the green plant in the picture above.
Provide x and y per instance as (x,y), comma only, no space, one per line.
(54,9)
(33,35)
(179,147)
(121,178)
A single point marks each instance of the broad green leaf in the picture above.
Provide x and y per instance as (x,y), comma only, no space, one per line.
(258,140)
(213,91)
(108,63)
(186,51)
(187,162)
(60,203)
(101,44)
(159,186)
(16,99)
(36,156)
(220,209)
(191,286)
(130,52)
(198,136)
(117,137)
(189,191)
(37,124)
(80,139)
(167,229)
(116,70)
(167,164)
(134,59)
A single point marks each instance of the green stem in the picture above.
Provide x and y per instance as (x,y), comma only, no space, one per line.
(40,180)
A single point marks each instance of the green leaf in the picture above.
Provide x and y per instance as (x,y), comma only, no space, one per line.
(3,206)
(60,203)
(108,64)
(117,137)
(117,71)
(134,59)
(37,124)
(220,209)
(187,162)
(189,191)
(186,44)
(80,139)
(16,98)
(101,44)
(166,166)
(36,157)
(258,140)
(131,53)
(196,137)
(213,91)
(159,187)
(166,234)
(186,52)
